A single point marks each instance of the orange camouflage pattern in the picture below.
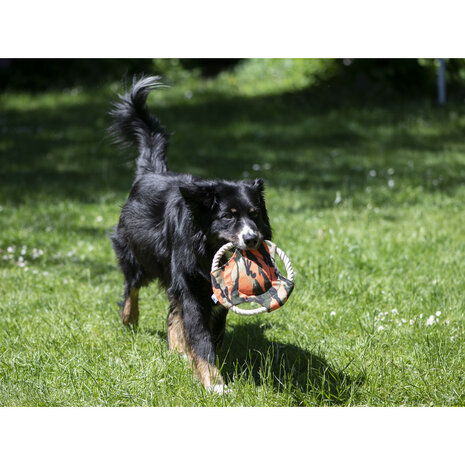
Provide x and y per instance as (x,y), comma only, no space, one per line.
(252,276)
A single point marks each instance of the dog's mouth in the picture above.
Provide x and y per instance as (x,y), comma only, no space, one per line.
(250,246)
(244,242)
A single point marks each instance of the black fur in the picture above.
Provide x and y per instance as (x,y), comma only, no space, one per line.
(172,224)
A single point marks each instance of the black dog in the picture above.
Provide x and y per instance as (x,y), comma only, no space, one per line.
(170,228)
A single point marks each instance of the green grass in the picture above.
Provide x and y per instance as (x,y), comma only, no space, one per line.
(367,200)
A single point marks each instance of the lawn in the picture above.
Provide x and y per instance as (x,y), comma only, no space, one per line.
(366,199)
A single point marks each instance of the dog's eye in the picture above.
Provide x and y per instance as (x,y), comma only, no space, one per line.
(228,216)
(253,213)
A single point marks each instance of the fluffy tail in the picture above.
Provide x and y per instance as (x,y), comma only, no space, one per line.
(133,124)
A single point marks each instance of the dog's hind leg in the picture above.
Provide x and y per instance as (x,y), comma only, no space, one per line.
(130,312)
(134,278)
(175,332)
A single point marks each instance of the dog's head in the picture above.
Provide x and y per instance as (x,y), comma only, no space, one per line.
(230,211)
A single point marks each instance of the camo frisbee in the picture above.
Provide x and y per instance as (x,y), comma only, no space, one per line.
(251,276)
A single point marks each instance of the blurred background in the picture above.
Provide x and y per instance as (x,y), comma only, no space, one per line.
(318,124)
(383,78)
(378,77)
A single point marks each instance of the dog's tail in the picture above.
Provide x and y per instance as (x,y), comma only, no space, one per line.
(133,124)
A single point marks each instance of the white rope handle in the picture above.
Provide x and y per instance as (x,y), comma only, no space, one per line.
(281,255)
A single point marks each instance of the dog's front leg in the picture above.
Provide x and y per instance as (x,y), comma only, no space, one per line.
(201,348)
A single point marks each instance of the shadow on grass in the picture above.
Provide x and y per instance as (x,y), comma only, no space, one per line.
(307,143)
(307,378)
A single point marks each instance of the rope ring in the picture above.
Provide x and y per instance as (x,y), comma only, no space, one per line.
(281,255)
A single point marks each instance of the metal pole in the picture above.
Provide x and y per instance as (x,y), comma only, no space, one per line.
(442,81)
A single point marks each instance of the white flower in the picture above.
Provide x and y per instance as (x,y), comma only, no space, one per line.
(411,322)
(10,249)
(391,183)
(372,173)
(99,219)
(256,167)
(430,321)
(438,313)
(452,338)
(394,311)
(421,316)
(390,171)
(380,328)
(447,322)
(332,314)
(403,320)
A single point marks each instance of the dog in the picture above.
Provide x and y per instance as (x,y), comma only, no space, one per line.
(170,228)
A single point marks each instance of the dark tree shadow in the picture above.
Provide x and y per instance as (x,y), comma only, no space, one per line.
(63,152)
(307,377)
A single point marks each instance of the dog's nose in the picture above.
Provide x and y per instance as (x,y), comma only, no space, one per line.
(251,240)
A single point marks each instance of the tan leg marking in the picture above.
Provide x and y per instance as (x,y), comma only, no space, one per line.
(130,313)
(208,374)
(176,338)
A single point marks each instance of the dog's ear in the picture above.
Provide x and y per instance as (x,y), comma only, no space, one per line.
(258,184)
(198,196)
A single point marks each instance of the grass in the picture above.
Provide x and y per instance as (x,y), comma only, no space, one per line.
(366,199)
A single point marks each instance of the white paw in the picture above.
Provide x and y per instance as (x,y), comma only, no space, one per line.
(219,389)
